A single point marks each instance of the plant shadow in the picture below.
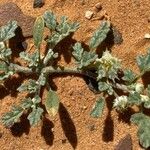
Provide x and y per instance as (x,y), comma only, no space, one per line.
(21,127)
(15,43)
(68,126)
(46,131)
(108,131)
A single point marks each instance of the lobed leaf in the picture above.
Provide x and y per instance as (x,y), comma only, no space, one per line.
(35,116)
(50,20)
(32,59)
(100,35)
(98,108)
(144,62)
(129,76)
(38,30)
(12,117)
(87,59)
(52,103)
(143,123)
(77,51)
(63,29)
(8,31)
(31,86)
(134,99)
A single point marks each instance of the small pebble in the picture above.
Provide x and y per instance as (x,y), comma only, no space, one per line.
(38,3)
(10,11)
(147,36)
(64,141)
(89,14)
(98,7)
(92,127)
(125,143)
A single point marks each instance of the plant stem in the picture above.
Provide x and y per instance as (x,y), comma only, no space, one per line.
(20,69)
(59,70)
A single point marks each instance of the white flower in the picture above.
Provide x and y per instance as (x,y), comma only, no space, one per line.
(144,98)
(120,102)
(139,87)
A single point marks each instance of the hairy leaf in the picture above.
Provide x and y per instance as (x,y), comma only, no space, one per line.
(144,62)
(63,29)
(35,116)
(87,59)
(52,103)
(26,103)
(50,20)
(103,86)
(134,98)
(42,80)
(31,86)
(8,31)
(129,76)
(49,56)
(12,117)
(38,30)
(5,54)
(98,108)
(77,52)
(100,35)
(32,59)
(143,123)
(5,72)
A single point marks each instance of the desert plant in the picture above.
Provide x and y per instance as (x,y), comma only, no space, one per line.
(107,73)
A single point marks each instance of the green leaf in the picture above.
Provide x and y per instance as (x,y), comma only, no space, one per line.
(42,80)
(129,76)
(100,35)
(87,59)
(12,117)
(143,123)
(50,20)
(8,31)
(31,86)
(38,30)
(134,98)
(77,51)
(144,62)
(32,59)
(35,116)
(26,103)
(52,103)
(98,108)
(5,54)
(63,29)
(49,56)
(5,72)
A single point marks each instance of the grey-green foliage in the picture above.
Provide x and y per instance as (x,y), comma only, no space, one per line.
(143,62)
(98,108)
(59,30)
(36,63)
(8,31)
(38,31)
(121,84)
(82,57)
(35,116)
(143,123)
(100,34)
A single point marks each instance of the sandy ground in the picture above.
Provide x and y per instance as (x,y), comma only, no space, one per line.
(73,127)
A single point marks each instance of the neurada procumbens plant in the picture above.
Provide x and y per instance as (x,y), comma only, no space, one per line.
(106,73)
